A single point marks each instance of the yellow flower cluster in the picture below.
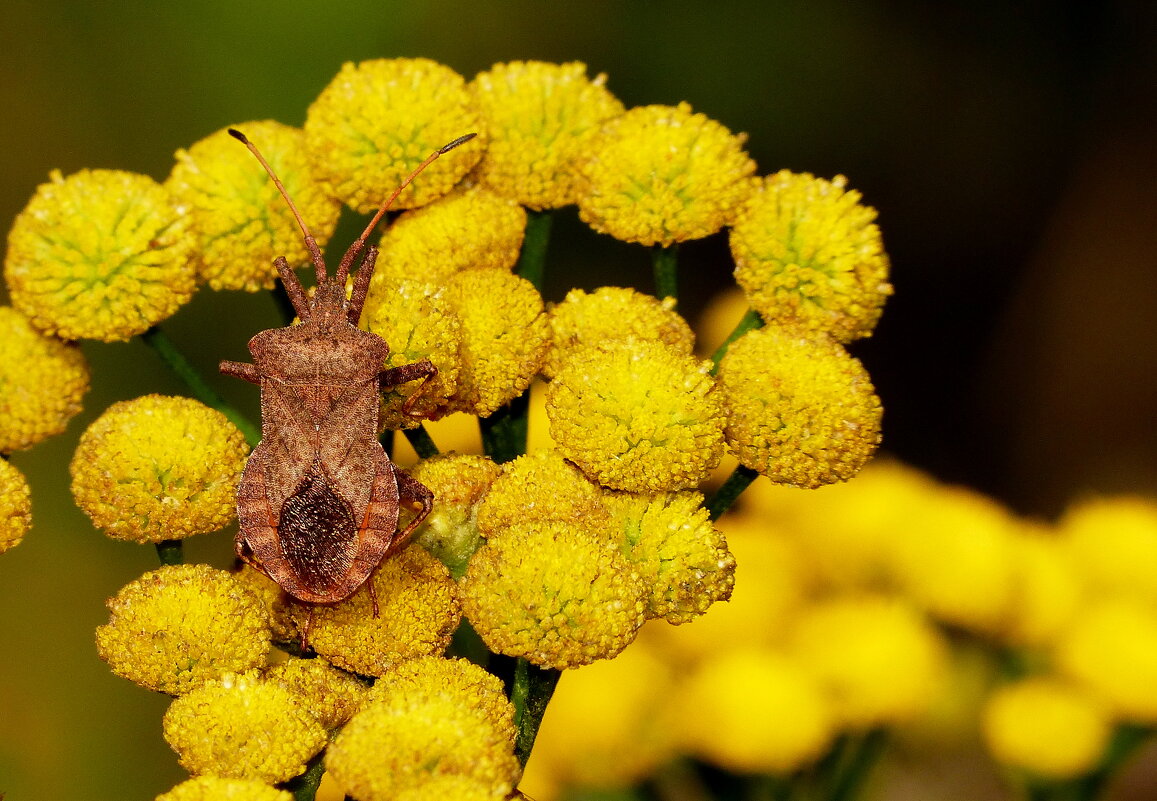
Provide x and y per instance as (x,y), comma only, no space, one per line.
(331,695)
(216,788)
(15,506)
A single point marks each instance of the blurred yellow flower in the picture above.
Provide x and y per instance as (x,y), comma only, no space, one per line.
(1113,543)
(15,506)
(1046,589)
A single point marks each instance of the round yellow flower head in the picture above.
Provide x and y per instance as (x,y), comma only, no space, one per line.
(471,229)
(215,788)
(158,468)
(752,710)
(418,322)
(243,727)
(1046,726)
(800,410)
(239,220)
(638,416)
(553,592)
(661,174)
(417,614)
(274,599)
(541,486)
(179,626)
(377,120)
(683,560)
(1111,649)
(15,506)
(539,118)
(331,694)
(458,481)
(1113,542)
(42,381)
(809,255)
(610,314)
(877,659)
(1045,590)
(458,786)
(505,338)
(430,719)
(102,254)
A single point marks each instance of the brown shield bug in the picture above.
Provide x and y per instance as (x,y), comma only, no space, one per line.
(319,498)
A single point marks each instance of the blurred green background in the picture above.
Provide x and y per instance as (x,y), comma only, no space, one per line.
(1011,149)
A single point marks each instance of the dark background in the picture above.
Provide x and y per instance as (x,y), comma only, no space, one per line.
(1010,148)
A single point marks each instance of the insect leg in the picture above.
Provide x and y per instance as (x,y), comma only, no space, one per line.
(242,370)
(423,369)
(411,491)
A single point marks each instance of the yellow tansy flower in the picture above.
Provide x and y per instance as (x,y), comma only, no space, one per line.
(808,254)
(471,229)
(331,695)
(102,254)
(1046,726)
(609,314)
(800,410)
(238,219)
(457,786)
(15,506)
(274,599)
(243,727)
(417,321)
(216,788)
(683,560)
(505,338)
(158,468)
(417,614)
(638,416)
(1113,543)
(458,481)
(539,117)
(427,678)
(179,626)
(1045,591)
(541,486)
(662,174)
(42,381)
(377,120)
(553,592)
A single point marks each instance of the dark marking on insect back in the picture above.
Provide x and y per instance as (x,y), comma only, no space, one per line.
(317,529)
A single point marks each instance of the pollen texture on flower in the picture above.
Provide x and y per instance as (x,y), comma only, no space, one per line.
(42,381)
(553,592)
(800,410)
(808,254)
(179,626)
(237,217)
(377,120)
(540,486)
(15,506)
(216,788)
(662,174)
(331,695)
(637,416)
(158,468)
(539,117)
(101,254)
(243,727)
(458,481)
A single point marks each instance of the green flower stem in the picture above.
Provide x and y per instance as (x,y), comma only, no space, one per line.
(750,321)
(664,262)
(420,439)
(304,787)
(159,341)
(530,693)
(856,757)
(732,488)
(170,552)
(532,259)
(504,432)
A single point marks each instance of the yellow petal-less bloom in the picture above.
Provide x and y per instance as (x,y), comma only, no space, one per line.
(1113,542)
(158,468)
(541,486)
(1046,590)
(877,659)
(417,614)
(238,219)
(331,694)
(456,786)
(505,338)
(472,229)
(800,410)
(609,314)
(377,120)
(243,727)
(662,174)
(216,788)
(459,481)
(539,117)
(15,506)
(808,254)
(42,381)
(274,599)
(1046,726)
(179,626)
(553,592)
(101,254)
(429,719)
(637,416)
(682,558)
(418,322)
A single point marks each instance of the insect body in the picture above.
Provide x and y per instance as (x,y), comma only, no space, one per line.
(319,499)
